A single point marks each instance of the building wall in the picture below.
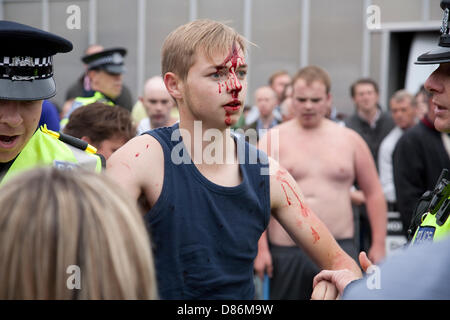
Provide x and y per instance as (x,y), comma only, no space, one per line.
(335,40)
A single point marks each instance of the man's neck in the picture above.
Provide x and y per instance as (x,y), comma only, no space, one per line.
(369,115)
(208,146)
(416,120)
(97,89)
(169,122)
(267,121)
(311,128)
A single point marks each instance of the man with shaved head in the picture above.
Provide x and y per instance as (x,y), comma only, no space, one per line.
(266,100)
(158,104)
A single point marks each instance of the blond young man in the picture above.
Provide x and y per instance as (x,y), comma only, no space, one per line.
(206,216)
(324,159)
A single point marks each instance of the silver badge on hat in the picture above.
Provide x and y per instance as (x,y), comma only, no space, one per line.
(117,58)
(22,62)
(444,26)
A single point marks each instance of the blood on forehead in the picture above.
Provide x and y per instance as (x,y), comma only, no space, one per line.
(233,60)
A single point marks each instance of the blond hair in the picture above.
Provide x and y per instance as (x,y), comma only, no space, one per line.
(52,219)
(206,36)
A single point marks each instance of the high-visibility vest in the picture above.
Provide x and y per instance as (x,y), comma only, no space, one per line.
(83,101)
(429,230)
(46,149)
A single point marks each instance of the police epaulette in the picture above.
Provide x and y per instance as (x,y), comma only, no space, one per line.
(74,142)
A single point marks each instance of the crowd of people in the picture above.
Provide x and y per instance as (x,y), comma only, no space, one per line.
(150,204)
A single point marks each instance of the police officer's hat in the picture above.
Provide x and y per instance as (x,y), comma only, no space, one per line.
(26,61)
(110,60)
(442,53)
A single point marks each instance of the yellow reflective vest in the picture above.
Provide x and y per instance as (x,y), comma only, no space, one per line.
(429,230)
(83,101)
(46,149)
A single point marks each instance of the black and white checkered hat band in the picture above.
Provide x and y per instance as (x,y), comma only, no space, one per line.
(112,59)
(23,68)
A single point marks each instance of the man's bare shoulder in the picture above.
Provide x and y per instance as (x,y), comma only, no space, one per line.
(344,132)
(284,128)
(353,136)
(139,147)
(137,155)
(138,166)
(287,126)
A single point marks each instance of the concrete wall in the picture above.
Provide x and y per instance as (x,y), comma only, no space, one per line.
(333,39)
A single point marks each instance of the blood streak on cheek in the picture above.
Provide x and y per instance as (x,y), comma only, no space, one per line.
(315,235)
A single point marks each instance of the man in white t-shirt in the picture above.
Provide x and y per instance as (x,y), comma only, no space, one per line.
(158,105)
(403,110)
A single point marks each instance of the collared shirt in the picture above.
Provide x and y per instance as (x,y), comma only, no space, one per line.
(385,163)
(260,125)
(372,123)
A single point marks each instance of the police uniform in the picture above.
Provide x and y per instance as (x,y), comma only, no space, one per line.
(432,213)
(26,74)
(110,60)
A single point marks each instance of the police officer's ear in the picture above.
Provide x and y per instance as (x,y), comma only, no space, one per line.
(92,74)
(174,85)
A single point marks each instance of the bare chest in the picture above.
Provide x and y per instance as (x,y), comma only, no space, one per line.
(316,157)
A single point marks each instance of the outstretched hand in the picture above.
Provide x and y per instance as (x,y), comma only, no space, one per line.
(339,279)
(364,261)
(324,290)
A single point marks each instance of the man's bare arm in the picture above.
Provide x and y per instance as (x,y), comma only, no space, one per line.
(302,224)
(369,182)
(138,167)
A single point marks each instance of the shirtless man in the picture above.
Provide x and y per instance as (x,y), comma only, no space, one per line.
(206,217)
(325,159)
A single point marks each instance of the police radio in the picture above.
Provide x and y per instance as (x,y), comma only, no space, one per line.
(440,203)
(434,202)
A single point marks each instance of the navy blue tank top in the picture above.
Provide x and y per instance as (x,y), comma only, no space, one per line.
(205,236)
